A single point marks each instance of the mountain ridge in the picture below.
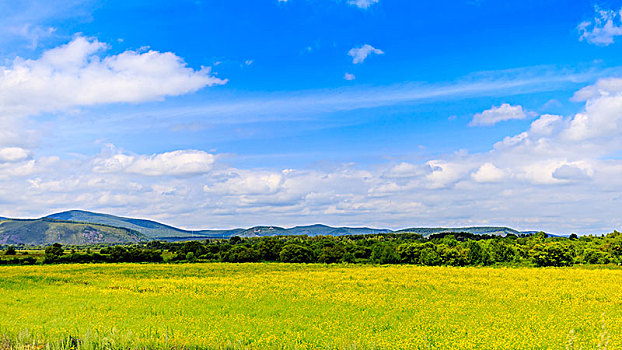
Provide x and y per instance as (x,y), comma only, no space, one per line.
(153,230)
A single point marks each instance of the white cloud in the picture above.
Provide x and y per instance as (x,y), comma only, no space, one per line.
(349,76)
(248,183)
(603,29)
(603,87)
(546,125)
(13,154)
(488,173)
(176,163)
(362,3)
(498,114)
(445,173)
(359,54)
(75,75)
(601,121)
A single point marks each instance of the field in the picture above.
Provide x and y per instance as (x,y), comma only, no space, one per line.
(302,306)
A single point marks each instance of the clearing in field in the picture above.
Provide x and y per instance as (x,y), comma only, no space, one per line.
(310,306)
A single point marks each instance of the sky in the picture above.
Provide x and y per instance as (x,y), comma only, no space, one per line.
(210,114)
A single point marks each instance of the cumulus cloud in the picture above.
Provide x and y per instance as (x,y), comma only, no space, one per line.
(498,114)
(488,173)
(13,154)
(75,74)
(176,163)
(362,3)
(349,76)
(603,28)
(359,54)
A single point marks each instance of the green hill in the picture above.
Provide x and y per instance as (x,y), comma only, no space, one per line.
(46,231)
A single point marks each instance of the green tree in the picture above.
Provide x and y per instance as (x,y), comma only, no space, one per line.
(552,254)
(269,248)
(196,247)
(240,253)
(295,253)
(55,250)
(190,257)
(331,253)
(475,253)
(409,253)
(384,254)
(10,251)
(429,256)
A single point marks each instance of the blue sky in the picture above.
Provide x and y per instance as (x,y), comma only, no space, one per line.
(210,114)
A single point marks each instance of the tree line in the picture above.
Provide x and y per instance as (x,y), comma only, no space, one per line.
(454,249)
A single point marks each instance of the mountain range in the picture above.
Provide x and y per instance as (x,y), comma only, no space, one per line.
(84,227)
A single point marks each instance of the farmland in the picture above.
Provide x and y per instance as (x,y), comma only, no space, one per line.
(272,305)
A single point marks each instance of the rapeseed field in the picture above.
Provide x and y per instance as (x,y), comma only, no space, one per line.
(299,306)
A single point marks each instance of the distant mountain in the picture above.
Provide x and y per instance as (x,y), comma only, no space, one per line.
(315,230)
(151,229)
(311,230)
(148,229)
(156,230)
(263,231)
(47,231)
(493,231)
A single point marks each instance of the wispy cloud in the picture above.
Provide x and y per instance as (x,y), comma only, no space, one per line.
(294,105)
(359,54)
(34,20)
(603,28)
(362,3)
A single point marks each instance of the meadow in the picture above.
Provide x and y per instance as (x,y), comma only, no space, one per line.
(308,306)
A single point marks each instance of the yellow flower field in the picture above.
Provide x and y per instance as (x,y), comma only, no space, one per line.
(297,306)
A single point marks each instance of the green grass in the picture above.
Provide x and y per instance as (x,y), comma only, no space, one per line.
(289,306)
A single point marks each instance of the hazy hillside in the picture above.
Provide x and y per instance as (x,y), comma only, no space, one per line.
(496,231)
(45,231)
(318,229)
(311,230)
